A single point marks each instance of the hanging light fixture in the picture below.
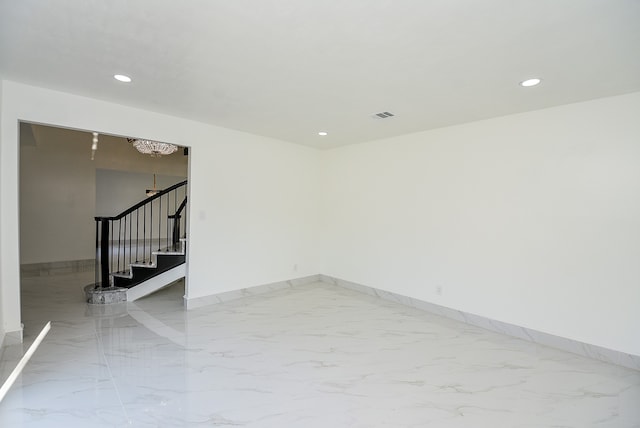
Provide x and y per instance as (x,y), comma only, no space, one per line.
(94,145)
(155,190)
(153,148)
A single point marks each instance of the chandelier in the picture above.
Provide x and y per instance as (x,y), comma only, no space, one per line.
(153,148)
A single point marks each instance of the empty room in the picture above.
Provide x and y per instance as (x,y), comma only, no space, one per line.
(320,214)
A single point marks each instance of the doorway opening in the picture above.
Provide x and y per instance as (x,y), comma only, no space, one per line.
(62,190)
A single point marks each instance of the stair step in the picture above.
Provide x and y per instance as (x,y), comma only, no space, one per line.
(148,265)
(174,250)
(122,274)
(162,260)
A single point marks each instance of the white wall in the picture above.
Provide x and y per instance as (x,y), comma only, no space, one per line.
(116,191)
(253,200)
(531,219)
(57,200)
(258,213)
(2,310)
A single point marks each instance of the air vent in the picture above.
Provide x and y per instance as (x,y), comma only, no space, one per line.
(382,115)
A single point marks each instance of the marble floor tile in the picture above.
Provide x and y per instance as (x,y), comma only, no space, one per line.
(314,355)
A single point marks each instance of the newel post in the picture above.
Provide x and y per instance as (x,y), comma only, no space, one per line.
(104,253)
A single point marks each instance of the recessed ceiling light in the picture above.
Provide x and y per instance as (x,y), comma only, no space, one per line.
(122,78)
(323,133)
(530,82)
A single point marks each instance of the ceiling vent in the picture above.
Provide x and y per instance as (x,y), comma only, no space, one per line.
(382,115)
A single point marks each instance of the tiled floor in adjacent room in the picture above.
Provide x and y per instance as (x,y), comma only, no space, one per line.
(311,356)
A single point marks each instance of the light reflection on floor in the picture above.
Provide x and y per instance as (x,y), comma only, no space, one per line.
(312,356)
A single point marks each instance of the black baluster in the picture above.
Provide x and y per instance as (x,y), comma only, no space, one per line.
(111,245)
(119,233)
(124,245)
(144,232)
(151,232)
(130,237)
(184,224)
(137,234)
(96,266)
(159,221)
(104,252)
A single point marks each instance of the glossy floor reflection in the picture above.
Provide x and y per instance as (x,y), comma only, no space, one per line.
(311,356)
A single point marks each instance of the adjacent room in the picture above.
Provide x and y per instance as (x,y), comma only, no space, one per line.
(393,214)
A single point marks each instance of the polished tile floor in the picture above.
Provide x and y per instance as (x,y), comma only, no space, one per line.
(311,356)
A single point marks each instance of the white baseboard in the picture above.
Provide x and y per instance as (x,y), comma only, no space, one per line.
(227,296)
(11,338)
(587,350)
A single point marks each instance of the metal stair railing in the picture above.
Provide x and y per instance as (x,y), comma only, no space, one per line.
(131,236)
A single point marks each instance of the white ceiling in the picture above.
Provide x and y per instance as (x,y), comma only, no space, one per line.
(290,68)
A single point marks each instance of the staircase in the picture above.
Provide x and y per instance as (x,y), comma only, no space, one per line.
(161,261)
(142,249)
